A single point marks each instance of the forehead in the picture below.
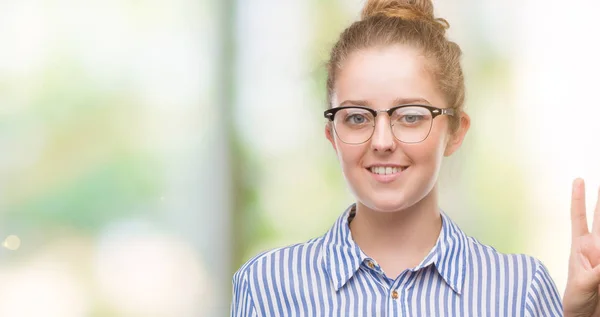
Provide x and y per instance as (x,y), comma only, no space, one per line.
(385,74)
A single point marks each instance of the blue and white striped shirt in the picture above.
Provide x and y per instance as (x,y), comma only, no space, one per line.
(331,276)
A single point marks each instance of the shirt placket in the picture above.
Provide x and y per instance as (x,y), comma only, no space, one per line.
(395,291)
(397,296)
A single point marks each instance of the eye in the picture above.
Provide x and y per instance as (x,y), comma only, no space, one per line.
(356,118)
(411,118)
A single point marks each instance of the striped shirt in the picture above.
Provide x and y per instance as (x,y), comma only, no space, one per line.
(331,276)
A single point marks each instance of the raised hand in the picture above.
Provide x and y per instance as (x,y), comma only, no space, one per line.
(581,297)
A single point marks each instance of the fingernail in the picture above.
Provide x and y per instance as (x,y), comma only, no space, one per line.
(577,183)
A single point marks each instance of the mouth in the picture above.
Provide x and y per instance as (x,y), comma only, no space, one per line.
(386,170)
(386,174)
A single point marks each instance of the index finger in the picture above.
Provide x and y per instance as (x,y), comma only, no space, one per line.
(579,225)
(596,222)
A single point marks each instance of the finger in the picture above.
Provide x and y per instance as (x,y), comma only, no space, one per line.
(596,223)
(578,219)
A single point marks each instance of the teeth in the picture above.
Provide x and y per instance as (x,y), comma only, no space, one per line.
(384,170)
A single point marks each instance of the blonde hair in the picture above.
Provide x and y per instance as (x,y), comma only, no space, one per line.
(409,22)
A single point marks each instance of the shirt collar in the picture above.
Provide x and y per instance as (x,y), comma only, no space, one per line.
(342,256)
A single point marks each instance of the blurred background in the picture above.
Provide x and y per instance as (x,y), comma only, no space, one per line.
(149,148)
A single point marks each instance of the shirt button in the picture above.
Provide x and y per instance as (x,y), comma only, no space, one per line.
(370,264)
(395,294)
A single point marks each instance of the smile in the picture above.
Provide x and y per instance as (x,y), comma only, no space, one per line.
(386,170)
(387,174)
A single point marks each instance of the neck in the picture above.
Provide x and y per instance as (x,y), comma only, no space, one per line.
(400,239)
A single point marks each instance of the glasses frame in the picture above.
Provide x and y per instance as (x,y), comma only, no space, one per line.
(329,114)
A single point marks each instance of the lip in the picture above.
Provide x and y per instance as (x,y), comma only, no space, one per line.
(387,178)
(385,165)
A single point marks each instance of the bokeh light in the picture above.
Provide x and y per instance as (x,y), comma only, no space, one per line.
(12,243)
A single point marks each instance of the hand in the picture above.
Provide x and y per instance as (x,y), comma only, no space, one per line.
(581,293)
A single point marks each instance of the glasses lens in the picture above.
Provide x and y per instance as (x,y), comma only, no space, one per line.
(411,124)
(354,125)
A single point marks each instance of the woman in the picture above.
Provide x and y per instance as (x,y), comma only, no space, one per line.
(396,93)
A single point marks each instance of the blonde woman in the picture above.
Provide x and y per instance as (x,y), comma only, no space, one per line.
(396,95)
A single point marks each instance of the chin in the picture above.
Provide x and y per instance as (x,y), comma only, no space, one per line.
(386,204)
(390,197)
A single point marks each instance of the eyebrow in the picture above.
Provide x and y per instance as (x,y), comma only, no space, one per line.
(397,101)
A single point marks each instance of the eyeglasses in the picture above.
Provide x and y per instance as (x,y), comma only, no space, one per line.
(409,123)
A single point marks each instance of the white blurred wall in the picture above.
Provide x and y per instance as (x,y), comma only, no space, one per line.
(556,69)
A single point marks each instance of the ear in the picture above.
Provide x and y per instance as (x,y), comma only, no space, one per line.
(455,140)
(329,135)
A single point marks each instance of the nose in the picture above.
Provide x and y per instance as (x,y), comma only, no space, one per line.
(383,139)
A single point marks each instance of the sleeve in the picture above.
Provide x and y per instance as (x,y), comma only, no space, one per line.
(543,299)
(242,305)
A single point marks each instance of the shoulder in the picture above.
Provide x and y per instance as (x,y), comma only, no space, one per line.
(519,274)
(516,269)
(516,282)
(485,261)
(522,263)
(293,258)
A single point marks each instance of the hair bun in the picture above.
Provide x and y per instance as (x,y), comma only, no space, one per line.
(415,10)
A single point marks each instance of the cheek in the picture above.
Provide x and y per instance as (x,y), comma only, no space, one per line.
(429,152)
(350,155)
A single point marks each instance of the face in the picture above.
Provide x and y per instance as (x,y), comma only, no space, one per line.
(381,78)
